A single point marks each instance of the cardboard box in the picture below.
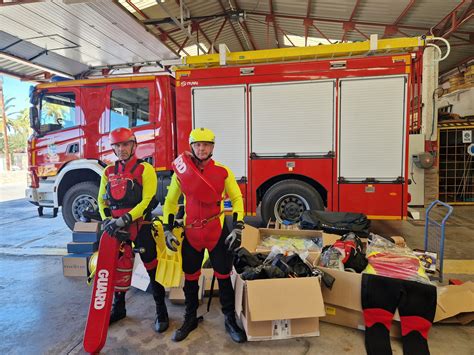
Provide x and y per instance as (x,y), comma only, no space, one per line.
(455,304)
(89,227)
(82,248)
(266,312)
(343,302)
(252,237)
(278,225)
(85,237)
(208,274)
(176,294)
(76,265)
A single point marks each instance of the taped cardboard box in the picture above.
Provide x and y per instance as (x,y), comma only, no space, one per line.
(87,227)
(455,304)
(266,312)
(208,275)
(176,294)
(76,265)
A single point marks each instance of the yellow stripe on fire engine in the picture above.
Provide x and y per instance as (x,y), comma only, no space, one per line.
(96,81)
(388,218)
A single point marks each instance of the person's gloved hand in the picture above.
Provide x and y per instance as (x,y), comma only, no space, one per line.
(172,242)
(234,239)
(111,226)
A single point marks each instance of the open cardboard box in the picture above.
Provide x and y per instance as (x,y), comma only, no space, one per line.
(342,304)
(176,294)
(455,304)
(252,238)
(266,312)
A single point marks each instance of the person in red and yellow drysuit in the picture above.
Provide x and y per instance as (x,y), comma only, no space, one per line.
(126,199)
(204,184)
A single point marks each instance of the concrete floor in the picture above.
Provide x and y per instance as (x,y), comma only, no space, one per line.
(43,312)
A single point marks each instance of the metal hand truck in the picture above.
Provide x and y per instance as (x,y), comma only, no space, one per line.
(435,235)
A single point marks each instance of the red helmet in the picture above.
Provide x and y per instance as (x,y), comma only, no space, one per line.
(121,134)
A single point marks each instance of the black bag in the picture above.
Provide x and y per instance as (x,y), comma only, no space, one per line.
(336,222)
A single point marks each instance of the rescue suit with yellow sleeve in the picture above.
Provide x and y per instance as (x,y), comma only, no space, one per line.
(126,199)
(204,184)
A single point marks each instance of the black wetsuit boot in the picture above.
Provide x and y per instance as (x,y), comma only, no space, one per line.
(227,298)
(118,308)
(191,289)
(161,321)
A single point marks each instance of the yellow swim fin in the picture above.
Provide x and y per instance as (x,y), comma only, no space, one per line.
(169,270)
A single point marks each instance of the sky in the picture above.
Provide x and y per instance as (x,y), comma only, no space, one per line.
(18,89)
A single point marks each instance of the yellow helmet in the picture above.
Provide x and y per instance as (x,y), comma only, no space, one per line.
(202,135)
(92,267)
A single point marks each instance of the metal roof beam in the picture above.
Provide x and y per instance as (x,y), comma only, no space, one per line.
(457,22)
(347,27)
(199,28)
(164,36)
(183,44)
(306,23)
(218,33)
(232,26)
(211,44)
(322,19)
(175,20)
(200,22)
(244,26)
(273,19)
(445,19)
(404,12)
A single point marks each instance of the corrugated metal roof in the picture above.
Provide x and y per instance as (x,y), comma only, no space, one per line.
(370,17)
(78,35)
(101,33)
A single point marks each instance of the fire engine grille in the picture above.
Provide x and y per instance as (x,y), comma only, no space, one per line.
(456,183)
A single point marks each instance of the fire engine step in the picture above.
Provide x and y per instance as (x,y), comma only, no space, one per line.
(42,215)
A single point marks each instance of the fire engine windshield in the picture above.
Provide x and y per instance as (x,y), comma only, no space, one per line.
(57,111)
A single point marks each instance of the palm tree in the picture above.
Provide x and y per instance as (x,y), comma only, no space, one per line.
(53,112)
(4,125)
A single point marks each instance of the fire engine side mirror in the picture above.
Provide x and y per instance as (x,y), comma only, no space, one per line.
(34,121)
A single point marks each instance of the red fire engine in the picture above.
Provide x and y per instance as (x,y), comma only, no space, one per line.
(307,134)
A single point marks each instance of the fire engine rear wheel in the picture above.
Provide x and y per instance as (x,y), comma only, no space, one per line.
(77,199)
(287,199)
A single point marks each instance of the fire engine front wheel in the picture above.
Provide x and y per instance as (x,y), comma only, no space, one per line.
(78,198)
(287,199)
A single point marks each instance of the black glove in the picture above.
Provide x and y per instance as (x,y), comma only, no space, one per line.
(111,226)
(234,239)
(172,242)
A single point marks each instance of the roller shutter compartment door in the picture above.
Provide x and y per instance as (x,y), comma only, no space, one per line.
(296,117)
(223,110)
(372,143)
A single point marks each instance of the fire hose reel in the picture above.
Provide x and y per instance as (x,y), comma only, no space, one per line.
(423,160)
